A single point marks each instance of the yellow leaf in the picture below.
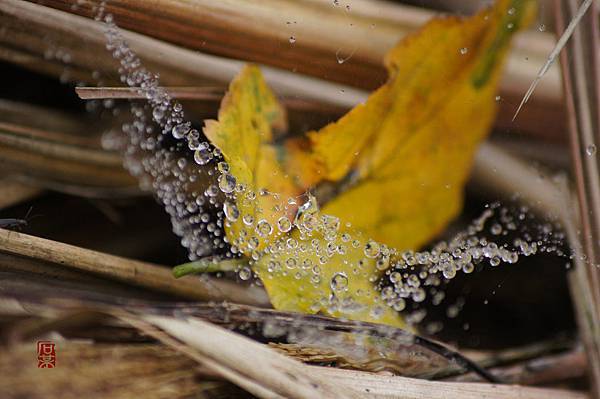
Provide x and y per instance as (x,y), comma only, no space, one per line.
(397,166)
(411,144)
(248,116)
(323,268)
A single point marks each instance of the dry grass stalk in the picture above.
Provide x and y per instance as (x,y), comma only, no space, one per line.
(50,155)
(358,36)
(126,270)
(566,35)
(187,93)
(379,386)
(581,77)
(83,39)
(176,65)
(320,339)
(20,113)
(253,367)
(361,33)
(50,151)
(268,374)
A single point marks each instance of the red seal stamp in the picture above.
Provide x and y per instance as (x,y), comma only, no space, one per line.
(46,354)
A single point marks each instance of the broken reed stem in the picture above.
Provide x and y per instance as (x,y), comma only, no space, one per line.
(134,272)
(215,366)
(555,52)
(581,79)
(204,93)
(268,374)
(182,93)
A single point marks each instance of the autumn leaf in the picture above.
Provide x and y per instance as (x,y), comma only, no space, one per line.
(396,166)
(249,117)
(410,147)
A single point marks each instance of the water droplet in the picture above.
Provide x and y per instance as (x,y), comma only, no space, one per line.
(339,282)
(223,167)
(245,273)
(395,277)
(330,225)
(399,305)
(193,140)
(250,195)
(382,263)
(158,113)
(263,228)
(511,257)
(591,149)
(496,229)
(341,58)
(306,216)
(464,50)
(452,311)
(448,270)
(372,249)
(253,243)
(227,183)
(468,268)
(498,98)
(203,155)
(284,225)
(419,295)
(179,131)
(231,211)
(291,263)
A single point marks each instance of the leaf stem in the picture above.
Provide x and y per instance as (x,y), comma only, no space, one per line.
(208,265)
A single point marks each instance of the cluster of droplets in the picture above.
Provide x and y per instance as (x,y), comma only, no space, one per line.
(188,174)
(501,235)
(170,157)
(204,199)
